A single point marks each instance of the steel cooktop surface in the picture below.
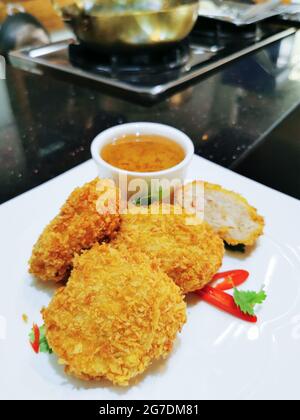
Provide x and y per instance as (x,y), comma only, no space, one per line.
(152,74)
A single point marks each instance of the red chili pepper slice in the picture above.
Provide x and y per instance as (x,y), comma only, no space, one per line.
(36,343)
(225,302)
(233,278)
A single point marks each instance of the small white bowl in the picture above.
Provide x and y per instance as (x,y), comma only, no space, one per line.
(112,134)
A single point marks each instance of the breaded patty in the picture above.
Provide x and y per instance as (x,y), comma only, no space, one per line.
(186,249)
(80,223)
(116,315)
(230,214)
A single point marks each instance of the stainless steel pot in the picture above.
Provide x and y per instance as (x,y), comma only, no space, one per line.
(116,24)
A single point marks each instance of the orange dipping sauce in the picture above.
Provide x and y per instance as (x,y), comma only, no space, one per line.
(143,153)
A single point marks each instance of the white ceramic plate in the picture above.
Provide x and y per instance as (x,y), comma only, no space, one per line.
(215,357)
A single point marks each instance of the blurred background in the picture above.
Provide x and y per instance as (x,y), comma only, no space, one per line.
(41,9)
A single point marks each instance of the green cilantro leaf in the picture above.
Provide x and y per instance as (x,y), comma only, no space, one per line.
(42,332)
(143,201)
(44,347)
(150,199)
(43,343)
(31,336)
(247,301)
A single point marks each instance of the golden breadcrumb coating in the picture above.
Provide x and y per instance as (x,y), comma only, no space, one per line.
(229,214)
(80,223)
(185,248)
(116,315)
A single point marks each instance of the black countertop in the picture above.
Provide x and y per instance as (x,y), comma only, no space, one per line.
(47,124)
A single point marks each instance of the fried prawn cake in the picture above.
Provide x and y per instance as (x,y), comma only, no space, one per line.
(117,314)
(89,215)
(184,247)
(228,213)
